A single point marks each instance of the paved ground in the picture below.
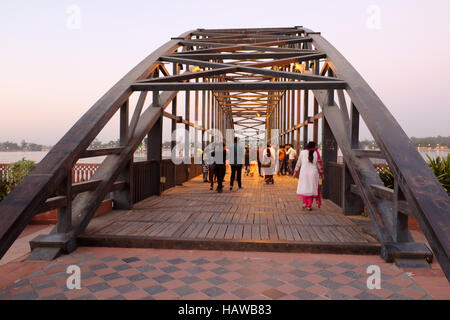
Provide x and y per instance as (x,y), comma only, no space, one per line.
(115,273)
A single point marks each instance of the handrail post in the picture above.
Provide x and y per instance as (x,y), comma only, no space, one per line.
(154,148)
(400,229)
(329,147)
(352,203)
(64,224)
(123,199)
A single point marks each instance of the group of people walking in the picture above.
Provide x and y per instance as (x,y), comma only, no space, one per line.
(214,165)
(286,159)
(308,165)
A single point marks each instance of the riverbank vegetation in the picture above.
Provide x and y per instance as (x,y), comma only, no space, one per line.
(439,165)
(11,177)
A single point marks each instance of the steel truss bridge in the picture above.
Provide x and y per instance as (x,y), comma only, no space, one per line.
(289,79)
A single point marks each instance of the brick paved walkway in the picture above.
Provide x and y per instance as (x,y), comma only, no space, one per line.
(118,273)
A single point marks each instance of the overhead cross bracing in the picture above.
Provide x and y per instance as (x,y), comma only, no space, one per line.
(266,62)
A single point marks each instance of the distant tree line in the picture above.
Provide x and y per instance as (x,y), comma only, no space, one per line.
(23,146)
(431,141)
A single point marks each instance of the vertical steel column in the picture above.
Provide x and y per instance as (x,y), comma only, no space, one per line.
(64,224)
(279,124)
(203,118)
(298,120)
(316,123)
(284,118)
(400,219)
(329,148)
(316,107)
(208,121)
(196,122)
(213,117)
(352,203)
(288,114)
(187,117)
(305,117)
(123,199)
(154,149)
(292,117)
(173,143)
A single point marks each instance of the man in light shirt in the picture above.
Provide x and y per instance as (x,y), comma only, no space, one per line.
(291,154)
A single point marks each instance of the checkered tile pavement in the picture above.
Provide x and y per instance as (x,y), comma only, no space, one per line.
(177,274)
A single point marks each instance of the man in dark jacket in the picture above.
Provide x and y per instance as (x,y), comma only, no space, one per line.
(236,161)
(220,158)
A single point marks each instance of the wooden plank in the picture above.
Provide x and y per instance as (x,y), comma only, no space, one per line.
(288,233)
(263,218)
(233,218)
(53,203)
(322,235)
(101,152)
(159,227)
(256,232)
(273,234)
(238,232)
(356,234)
(283,219)
(169,230)
(303,233)
(188,231)
(291,219)
(276,219)
(113,228)
(264,232)
(230,231)
(133,228)
(312,234)
(330,235)
(281,233)
(247,232)
(85,186)
(197,230)
(295,233)
(374,154)
(213,231)
(339,235)
(202,234)
(221,232)
(344,232)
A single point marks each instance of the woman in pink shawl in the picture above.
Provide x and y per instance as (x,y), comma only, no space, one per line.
(310,165)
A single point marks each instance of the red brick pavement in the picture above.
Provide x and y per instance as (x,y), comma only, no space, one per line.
(132,274)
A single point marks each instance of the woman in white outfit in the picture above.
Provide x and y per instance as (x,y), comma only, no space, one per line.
(268,165)
(310,165)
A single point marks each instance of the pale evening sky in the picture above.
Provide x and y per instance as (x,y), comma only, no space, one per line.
(51,74)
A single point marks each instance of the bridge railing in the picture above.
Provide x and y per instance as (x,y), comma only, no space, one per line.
(335,172)
(80,172)
(171,175)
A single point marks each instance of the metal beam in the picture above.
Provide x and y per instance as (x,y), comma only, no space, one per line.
(241,86)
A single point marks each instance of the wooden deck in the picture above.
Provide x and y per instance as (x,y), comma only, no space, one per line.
(259,217)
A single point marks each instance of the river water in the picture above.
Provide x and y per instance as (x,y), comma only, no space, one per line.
(36,156)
